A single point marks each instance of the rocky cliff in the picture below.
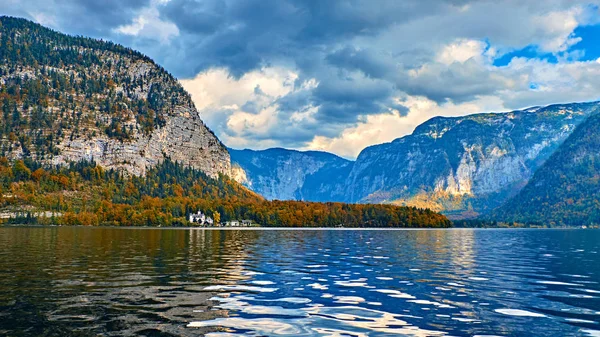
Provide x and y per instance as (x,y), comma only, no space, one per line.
(292,175)
(70,98)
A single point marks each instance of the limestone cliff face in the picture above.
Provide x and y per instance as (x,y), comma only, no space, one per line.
(292,175)
(72,98)
(183,138)
(464,164)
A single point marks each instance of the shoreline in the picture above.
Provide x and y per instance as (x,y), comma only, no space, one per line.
(292,228)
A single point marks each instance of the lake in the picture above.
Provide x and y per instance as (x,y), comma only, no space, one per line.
(74,281)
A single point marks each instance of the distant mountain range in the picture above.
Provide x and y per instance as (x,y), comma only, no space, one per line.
(462,166)
(288,174)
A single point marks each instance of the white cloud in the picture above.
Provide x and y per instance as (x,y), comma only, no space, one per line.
(216,87)
(242,124)
(149,25)
(554,82)
(218,95)
(461,51)
(557,29)
(382,128)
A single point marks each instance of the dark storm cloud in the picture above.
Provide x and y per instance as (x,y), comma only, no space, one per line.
(199,18)
(243,35)
(370,64)
(238,35)
(295,101)
(461,82)
(343,100)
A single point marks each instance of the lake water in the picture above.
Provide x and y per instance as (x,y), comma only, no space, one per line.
(177,282)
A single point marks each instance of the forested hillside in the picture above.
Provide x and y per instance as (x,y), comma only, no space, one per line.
(66,98)
(86,194)
(566,189)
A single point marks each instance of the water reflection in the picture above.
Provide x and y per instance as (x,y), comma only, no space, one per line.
(156,282)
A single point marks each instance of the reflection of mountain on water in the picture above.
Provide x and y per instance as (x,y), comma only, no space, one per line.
(99,280)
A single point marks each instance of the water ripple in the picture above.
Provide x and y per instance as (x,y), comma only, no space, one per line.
(119,282)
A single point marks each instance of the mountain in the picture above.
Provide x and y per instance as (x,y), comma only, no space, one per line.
(68,98)
(78,114)
(292,175)
(462,166)
(566,189)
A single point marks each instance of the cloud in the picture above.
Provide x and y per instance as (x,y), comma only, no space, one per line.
(248,110)
(343,74)
(382,128)
(78,17)
(461,51)
(552,83)
(371,64)
(148,24)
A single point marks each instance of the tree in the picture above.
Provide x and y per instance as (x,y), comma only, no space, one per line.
(21,171)
(38,174)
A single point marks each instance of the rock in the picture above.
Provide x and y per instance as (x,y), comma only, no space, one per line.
(291,175)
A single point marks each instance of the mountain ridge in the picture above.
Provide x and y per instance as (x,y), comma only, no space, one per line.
(289,174)
(474,163)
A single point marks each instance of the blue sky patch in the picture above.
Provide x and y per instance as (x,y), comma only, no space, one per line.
(529,52)
(590,42)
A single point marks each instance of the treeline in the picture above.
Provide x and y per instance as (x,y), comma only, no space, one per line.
(86,194)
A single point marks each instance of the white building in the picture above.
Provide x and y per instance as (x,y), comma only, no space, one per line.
(198,217)
(201,219)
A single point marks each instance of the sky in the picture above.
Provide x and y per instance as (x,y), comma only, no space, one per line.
(342,75)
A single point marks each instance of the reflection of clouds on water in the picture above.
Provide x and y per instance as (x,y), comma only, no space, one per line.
(319,320)
(519,313)
(262,326)
(441,276)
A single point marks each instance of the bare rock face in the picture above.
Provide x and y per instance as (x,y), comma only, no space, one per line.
(74,99)
(186,139)
(183,138)
(292,175)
